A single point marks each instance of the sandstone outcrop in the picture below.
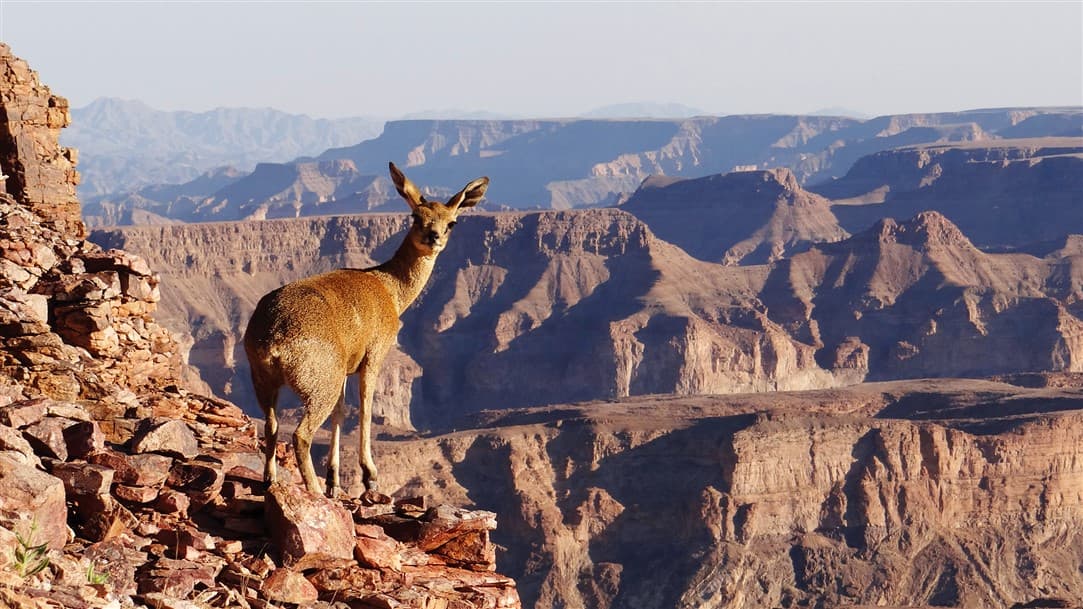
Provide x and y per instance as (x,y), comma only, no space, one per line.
(75,320)
(35,168)
(182,518)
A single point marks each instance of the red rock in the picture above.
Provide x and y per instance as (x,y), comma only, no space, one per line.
(67,411)
(135,494)
(118,559)
(84,478)
(286,586)
(83,438)
(245,505)
(165,601)
(28,496)
(173,502)
(115,260)
(123,472)
(82,287)
(304,526)
(170,437)
(21,414)
(12,440)
(200,480)
(231,547)
(101,517)
(47,437)
(23,314)
(240,473)
(378,553)
(444,523)
(176,578)
(186,540)
(472,550)
(260,566)
(150,469)
(410,506)
(346,578)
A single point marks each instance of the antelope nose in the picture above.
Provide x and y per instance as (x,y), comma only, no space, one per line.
(432,237)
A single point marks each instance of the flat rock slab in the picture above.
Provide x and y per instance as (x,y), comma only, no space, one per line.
(170,437)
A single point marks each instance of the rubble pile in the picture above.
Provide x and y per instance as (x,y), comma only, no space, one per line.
(76,321)
(166,508)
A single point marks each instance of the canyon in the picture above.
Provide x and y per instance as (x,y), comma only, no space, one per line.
(596,305)
(717,393)
(735,416)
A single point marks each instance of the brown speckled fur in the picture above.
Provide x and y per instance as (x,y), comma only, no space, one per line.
(313,333)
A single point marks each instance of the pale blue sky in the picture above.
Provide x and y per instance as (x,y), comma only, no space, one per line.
(330,59)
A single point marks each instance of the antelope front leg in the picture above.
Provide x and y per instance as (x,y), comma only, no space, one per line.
(364,457)
(338,415)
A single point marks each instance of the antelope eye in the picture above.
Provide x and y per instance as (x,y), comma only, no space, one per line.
(452,224)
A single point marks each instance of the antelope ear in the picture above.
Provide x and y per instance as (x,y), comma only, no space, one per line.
(470,195)
(405,187)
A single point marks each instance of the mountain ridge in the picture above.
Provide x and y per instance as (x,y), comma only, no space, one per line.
(565,163)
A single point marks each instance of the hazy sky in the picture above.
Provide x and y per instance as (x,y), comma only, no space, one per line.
(330,59)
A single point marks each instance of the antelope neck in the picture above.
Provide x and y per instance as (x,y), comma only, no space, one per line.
(406,273)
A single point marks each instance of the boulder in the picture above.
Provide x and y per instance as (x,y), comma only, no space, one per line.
(287,586)
(308,528)
(168,437)
(31,500)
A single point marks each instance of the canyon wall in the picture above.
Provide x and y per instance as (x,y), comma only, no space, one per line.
(903,494)
(537,308)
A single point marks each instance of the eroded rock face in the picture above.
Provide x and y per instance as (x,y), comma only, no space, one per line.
(911,493)
(40,173)
(75,321)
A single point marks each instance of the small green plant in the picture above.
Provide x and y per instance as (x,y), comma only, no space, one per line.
(30,559)
(94,577)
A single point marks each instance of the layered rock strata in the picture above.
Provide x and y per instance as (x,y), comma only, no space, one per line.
(904,494)
(594,305)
